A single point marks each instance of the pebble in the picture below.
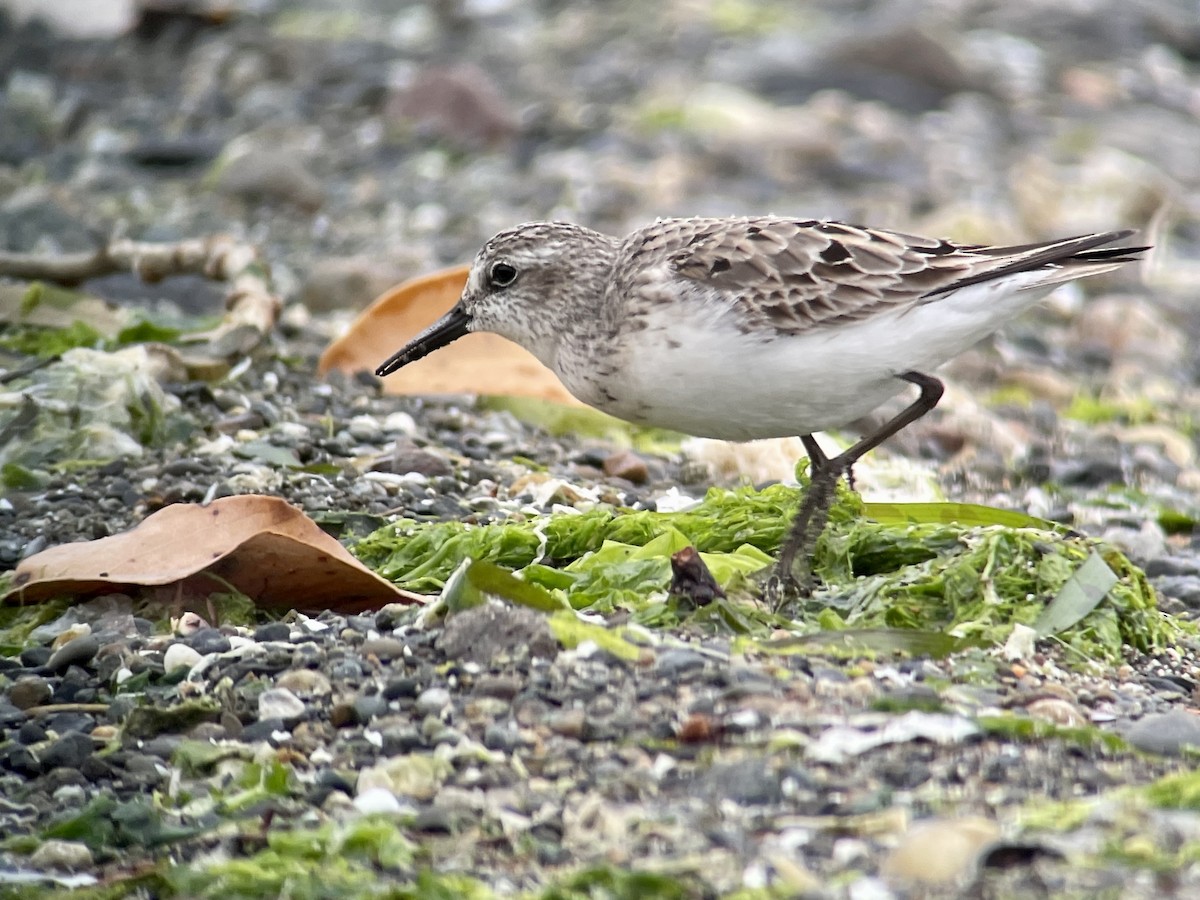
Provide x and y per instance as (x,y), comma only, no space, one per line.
(29,691)
(180,656)
(207,641)
(367,706)
(628,465)
(432,701)
(280,703)
(384,649)
(377,801)
(68,752)
(272,631)
(676,661)
(76,653)
(406,458)
(305,683)
(486,632)
(1165,733)
(262,730)
(274,176)
(62,856)
(939,852)
(1058,712)
(400,688)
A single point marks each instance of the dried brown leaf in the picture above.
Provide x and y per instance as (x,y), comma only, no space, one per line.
(265,547)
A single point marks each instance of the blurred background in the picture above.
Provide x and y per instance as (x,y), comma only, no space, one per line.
(365,141)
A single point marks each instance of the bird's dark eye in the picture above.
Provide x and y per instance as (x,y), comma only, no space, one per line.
(502,275)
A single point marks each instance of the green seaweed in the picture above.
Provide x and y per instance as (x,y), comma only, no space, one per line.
(967,572)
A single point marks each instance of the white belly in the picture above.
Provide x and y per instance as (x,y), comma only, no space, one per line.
(702,376)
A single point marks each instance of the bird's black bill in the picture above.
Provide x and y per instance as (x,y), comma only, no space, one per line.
(445,330)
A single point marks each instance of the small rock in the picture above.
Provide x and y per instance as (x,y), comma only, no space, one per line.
(348,283)
(503,687)
(279,703)
(273,176)
(401,688)
(75,653)
(377,800)
(938,852)
(1057,711)
(69,752)
(342,715)
(628,465)
(500,737)
(368,706)
(1173,566)
(19,760)
(676,661)
(305,683)
(432,701)
(180,656)
(569,723)
(383,648)
(62,856)
(33,657)
(459,103)
(207,641)
(1184,588)
(273,631)
(262,730)
(485,632)
(29,692)
(1165,733)
(399,739)
(407,458)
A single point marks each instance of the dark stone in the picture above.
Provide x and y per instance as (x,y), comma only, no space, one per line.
(208,640)
(69,751)
(20,760)
(400,739)
(64,722)
(501,738)
(1173,566)
(436,820)
(31,733)
(676,661)
(262,730)
(78,652)
(35,657)
(63,777)
(10,715)
(399,688)
(368,706)
(273,631)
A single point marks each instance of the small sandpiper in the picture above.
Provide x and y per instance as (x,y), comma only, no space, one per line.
(759,327)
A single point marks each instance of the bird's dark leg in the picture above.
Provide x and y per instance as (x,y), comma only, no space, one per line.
(824,473)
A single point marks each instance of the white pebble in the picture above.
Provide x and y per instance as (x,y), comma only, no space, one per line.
(180,656)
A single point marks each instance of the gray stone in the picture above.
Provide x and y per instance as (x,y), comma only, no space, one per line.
(69,752)
(1165,733)
(73,653)
(432,701)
